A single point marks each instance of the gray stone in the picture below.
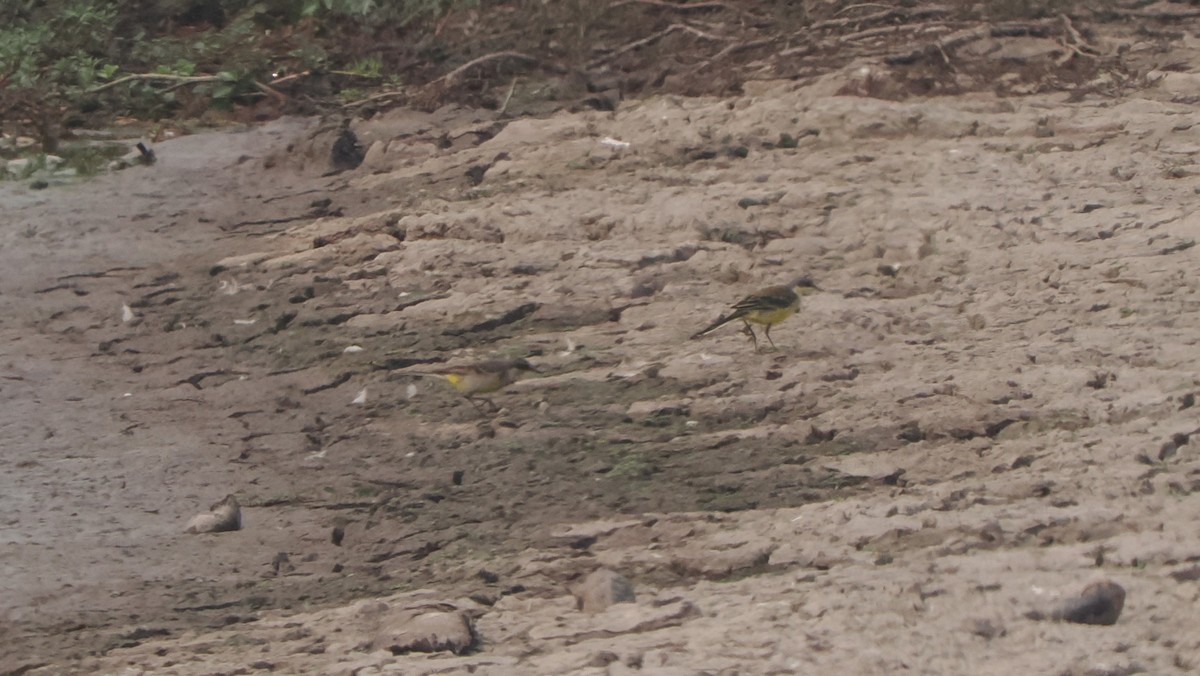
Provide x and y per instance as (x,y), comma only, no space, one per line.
(1100,603)
(426,629)
(602,589)
(375,157)
(223,516)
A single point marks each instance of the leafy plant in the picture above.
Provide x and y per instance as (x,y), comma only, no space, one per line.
(63,59)
(49,55)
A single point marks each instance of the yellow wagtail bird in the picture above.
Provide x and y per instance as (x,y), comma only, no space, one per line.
(766,307)
(482,378)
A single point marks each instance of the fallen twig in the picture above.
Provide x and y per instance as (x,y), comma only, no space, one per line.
(962,37)
(162,77)
(741,47)
(1077,45)
(885,30)
(307,73)
(861,5)
(681,7)
(798,49)
(289,78)
(180,81)
(450,77)
(279,96)
(504,106)
(637,44)
(376,98)
(886,15)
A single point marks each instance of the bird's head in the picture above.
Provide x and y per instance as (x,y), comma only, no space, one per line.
(805,285)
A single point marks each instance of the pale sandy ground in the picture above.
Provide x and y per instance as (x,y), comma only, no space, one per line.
(1042,245)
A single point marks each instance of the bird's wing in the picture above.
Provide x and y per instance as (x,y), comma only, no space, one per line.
(495,366)
(772,298)
(443,373)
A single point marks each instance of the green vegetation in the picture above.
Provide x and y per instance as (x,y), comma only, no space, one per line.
(67,63)
(632,465)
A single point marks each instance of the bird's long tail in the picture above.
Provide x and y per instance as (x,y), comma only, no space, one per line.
(717,324)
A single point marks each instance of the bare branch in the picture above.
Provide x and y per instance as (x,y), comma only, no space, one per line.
(962,37)
(862,5)
(886,30)
(504,106)
(637,44)
(160,77)
(886,15)
(452,75)
(377,98)
(279,96)
(681,7)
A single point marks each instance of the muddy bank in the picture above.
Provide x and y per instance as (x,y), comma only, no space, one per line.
(950,436)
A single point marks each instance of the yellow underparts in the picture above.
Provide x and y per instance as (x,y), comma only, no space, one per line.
(768,317)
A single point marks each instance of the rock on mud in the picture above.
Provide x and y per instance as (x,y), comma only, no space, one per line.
(425,629)
(1101,603)
(223,516)
(602,589)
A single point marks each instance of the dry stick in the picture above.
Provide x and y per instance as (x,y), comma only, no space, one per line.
(1070,52)
(946,57)
(862,5)
(180,81)
(449,77)
(743,46)
(637,44)
(970,35)
(735,47)
(279,96)
(896,13)
(632,46)
(177,85)
(1077,39)
(504,106)
(183,79)
(307,73)
(293,76)
(1070,43)
(707,36)
(799,49)
(375,98)
(677,6)
(885,30)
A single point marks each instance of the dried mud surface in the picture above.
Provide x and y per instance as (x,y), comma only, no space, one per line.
(966,425)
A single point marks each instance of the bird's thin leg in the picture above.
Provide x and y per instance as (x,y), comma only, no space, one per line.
(750,331)
(767,331)
(475,404)
(491,404)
